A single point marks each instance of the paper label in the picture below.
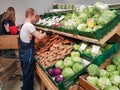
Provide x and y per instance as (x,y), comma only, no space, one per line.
(90,22)
(95,49)
(83,46)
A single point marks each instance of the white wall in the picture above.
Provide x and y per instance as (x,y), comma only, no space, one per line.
(89,1)
(20,6)
(41,6)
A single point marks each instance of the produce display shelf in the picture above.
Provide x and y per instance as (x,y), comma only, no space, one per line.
(45,79)
(82,79)
(96,41)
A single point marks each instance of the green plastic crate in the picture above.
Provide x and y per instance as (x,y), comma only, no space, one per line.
(65,84)
(104,56)
(100,33)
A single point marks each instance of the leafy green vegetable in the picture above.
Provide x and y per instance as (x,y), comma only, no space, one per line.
(77,59)
(76,46)
(68,62)
(75,54)
(82,27)
(116,60)
(114,73)
(115,79)
(111,88)
(93,70)
(103,82)
(92,80)
(88,51)
(83,16)
(67,72)
(77,67)
(60,64)
(118,68)
(104,73)
(111,68)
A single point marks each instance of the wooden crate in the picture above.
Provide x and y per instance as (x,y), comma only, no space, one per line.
(85,84)
(45,82)
(8,68)
(9,42)
(82,79)
(76,86)
(81,88)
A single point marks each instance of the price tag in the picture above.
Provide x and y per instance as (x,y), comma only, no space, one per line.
(95,49)
(83,46)
(90,22)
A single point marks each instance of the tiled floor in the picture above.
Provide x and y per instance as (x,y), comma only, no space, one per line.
(15,84)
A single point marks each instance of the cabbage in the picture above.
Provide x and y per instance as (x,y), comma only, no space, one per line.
(68,62)
(77,59)
(88,51)
(115,79)
(88,29)
(119,85)
(104,73)
(60,64)
(93,70)
(103,82)
(83,16)
(82,7)
(57,71)
(101,5)
(96,10)
(118,68)
(96,27)
(111,68)
(114,73)
(77,67)
(67,72)
(111,88)
(80,20)
(86,9)
(68,16)
(51,71)
(92,80)
(59,78)
(76,46)
(68,24)
(116,60)
(105,17)
(75,54)
(101,21)
(82,27)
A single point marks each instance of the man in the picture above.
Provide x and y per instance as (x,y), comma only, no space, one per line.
(26,50)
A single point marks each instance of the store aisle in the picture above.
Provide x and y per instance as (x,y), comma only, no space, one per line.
(15,84)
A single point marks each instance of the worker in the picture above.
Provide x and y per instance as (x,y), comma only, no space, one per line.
(26,50)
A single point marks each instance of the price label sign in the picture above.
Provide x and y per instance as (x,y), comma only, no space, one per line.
(83,46)
(95,49)
(90,22)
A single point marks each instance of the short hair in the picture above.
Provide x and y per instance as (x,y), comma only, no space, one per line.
(29,11)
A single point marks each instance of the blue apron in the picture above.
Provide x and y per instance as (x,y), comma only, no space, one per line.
(26,55)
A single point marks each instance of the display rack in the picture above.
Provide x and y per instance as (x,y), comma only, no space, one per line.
(46,83)
(116,30)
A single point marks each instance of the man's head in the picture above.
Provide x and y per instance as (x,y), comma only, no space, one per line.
(31,14)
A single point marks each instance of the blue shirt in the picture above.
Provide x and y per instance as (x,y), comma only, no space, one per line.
(5,22)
